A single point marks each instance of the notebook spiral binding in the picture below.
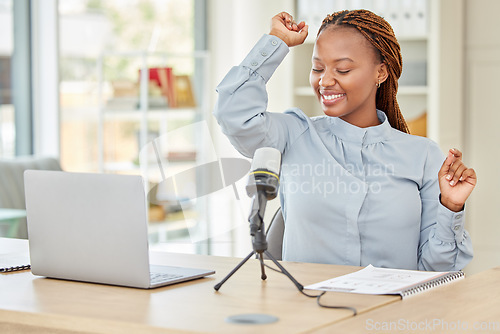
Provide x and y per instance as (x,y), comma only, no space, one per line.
(450,277)
(16,268)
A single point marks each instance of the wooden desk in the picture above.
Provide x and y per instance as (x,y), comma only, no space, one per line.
(30,304)
(471,305)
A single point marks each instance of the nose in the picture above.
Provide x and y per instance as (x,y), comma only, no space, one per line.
(327,80)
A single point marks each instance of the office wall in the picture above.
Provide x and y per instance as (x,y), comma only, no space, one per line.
(234,27)
(481,125)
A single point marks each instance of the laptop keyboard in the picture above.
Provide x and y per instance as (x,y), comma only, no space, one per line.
(163,277)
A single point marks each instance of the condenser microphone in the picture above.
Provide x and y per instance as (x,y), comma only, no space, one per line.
(263,183)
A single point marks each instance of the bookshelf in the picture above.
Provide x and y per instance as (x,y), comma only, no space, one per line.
(145,130)
(410,21)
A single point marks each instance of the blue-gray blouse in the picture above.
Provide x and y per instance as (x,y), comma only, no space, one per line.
(350,195)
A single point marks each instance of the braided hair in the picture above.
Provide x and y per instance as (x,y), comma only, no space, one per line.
(380,34)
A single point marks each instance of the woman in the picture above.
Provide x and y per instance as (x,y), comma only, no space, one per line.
(356,188)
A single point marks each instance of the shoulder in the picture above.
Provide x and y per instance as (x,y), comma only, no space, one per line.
(315,124)
(297,113)
(426,147)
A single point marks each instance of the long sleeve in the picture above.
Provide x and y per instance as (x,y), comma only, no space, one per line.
(241,108)
(349,195)
(444,243)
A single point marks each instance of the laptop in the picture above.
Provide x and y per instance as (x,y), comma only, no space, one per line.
(93,228)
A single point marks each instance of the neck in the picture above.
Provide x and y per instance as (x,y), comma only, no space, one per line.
(367,120)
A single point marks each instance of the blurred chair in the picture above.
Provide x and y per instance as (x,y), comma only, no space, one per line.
(274,235)
(12,183)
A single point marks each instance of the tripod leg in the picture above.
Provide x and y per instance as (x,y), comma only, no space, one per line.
(263,275)
(297,284)
(218,285)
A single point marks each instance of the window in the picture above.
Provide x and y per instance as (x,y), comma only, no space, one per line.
(7,117)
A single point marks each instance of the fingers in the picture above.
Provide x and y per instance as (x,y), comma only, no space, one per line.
(455,152)
(304,32)
(446,165)
(284,26)
(289,22)
(469,176)
(455,173)
(454,170)
(286,19)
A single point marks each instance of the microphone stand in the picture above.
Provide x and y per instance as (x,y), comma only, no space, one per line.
(259,243)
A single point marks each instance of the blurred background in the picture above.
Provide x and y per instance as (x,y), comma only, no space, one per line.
(128,86)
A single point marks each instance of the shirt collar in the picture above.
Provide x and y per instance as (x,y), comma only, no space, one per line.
(371,135)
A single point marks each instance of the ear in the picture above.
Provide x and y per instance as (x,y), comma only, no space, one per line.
(382,73)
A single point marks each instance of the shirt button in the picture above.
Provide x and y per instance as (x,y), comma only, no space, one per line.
(457,217)
(263,53)
(456,227)
(274,42)
(254,63)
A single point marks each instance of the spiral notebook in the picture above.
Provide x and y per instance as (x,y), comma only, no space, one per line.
(14,262)
(386,281)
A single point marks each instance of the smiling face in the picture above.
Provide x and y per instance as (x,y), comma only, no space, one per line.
(344,75)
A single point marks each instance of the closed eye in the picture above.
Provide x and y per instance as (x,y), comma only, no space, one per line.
(343,71)
(317,70)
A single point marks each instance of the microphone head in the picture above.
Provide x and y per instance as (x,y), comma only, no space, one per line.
(267,158)
(264,172)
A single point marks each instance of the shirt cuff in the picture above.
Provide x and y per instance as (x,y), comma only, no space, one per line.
(450,224)
(259,59)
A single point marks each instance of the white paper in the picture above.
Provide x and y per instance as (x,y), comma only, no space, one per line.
(13,260)
(373,280)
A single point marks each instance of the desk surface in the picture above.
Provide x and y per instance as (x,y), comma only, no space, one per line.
(34,304)
(471,305)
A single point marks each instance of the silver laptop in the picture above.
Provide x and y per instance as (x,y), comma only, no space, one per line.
(93,228)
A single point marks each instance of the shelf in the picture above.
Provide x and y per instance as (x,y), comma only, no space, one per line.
(152,114)
(162,232)
(130,121)
(118,166)
(121,166)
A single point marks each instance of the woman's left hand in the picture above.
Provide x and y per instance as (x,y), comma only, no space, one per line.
(456,181)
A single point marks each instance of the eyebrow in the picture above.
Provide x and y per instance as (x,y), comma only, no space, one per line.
(337,60)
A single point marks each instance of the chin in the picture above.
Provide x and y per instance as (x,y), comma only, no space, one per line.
(334,113)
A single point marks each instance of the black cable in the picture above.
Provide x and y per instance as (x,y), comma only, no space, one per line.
(318,297)
(334,306)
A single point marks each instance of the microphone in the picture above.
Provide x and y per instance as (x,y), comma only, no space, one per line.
(263,183)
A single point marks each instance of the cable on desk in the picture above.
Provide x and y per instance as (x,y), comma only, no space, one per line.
(318,297)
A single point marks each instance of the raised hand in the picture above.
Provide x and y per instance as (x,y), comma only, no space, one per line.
(456,181)
(284,27)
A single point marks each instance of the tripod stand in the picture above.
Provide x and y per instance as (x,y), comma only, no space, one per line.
(259,243)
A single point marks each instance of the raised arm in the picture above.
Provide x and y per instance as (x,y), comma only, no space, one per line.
(241,108)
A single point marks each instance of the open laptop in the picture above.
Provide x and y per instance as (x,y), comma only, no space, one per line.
(93,228)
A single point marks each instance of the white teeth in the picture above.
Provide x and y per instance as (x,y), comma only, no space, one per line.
(331,97)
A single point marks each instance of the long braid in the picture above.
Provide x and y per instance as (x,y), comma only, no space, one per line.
(380,34)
